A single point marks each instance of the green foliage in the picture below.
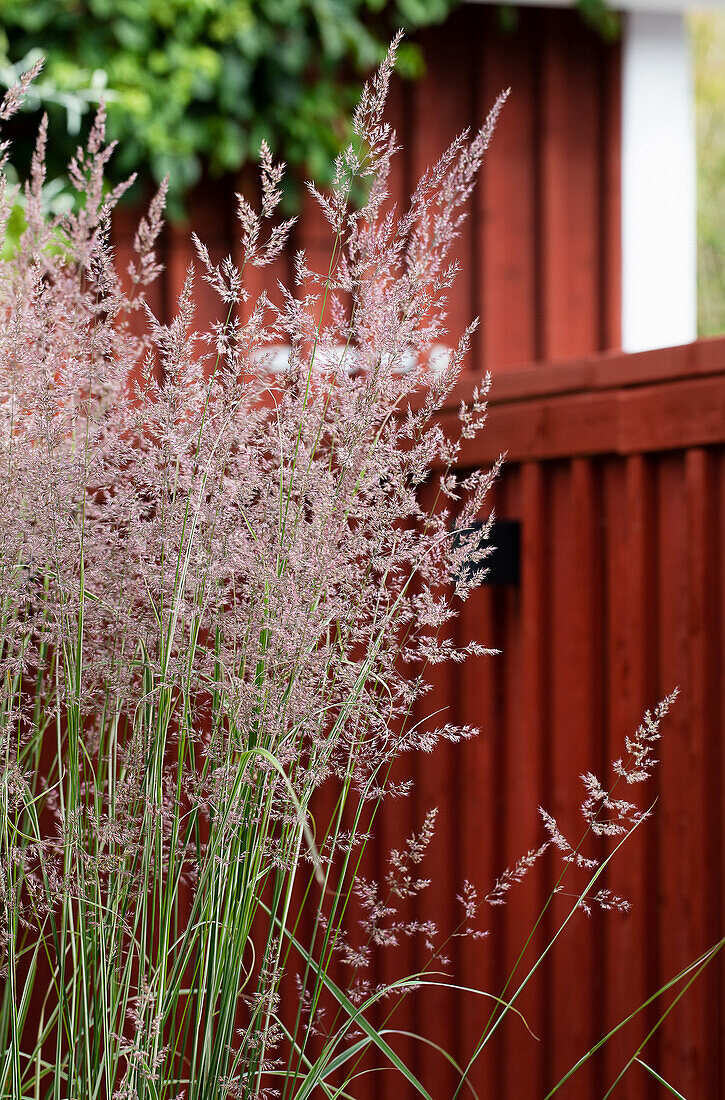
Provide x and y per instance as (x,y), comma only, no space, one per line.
(708,43)
(192,83)
(597,14)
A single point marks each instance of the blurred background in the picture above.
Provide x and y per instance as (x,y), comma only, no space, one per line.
(192,88)
(595,255)
(707,31)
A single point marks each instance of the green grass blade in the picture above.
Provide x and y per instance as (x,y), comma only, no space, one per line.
(658,1077)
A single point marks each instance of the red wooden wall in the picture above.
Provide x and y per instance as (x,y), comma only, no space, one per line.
(616,472)
(540,256)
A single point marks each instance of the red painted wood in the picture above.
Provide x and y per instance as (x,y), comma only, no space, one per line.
(434,1010)
(574,637)
(255,279)
(568,176)
(506,209)
(125,224)
(526,769)
(610,370)
(313,235)
(542,253)
(653,418)
(397,816)
(570,172)
(718,719)
(397,114)
(680,781)
(630,596)
(509,809)
(440,108)
(553,193)
(703,682)
(610,241)
(479,794)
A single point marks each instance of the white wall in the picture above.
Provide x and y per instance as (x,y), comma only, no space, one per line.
(659,190)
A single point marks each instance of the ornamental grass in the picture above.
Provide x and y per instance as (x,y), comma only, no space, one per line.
(220,595)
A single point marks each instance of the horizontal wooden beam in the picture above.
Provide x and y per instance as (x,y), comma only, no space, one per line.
(602,371)
(622,404)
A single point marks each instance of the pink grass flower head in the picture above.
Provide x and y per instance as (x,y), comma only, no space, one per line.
(220,593)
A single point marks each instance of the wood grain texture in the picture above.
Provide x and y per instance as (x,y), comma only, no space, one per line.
(657,417)
(506,202)
(525,746)
(574,639)
(480,793)
(630,948)
(679,779)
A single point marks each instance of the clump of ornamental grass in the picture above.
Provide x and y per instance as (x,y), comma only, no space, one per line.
(219,595)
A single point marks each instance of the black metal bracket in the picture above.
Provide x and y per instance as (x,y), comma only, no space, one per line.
(503,563)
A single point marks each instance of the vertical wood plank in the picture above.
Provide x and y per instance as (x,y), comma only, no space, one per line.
(397,816)
(631,938)
(124,225)
(396,820)
(398,114)
(576,737)
(702,792)
(209,218)
(256,280)
(423,1012)
(505,636)
(553,194)
(717,1006)
(584,175)
(481,795)
(524,1057)
(123,230)
(610,241)
(570,189)
(440,108)
(434,1011)
(505,209)
(313,234)
(680,782)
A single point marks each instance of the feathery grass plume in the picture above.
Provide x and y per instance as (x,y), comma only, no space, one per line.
(214,581)
(219,592)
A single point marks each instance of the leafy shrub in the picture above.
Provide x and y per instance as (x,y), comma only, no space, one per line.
(189,83)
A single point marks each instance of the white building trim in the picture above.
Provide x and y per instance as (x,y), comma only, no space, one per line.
(659,175)
(659,184)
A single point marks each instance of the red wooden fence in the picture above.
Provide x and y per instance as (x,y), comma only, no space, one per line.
(616,474)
